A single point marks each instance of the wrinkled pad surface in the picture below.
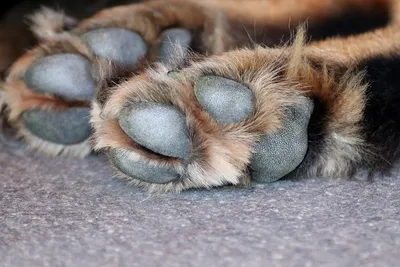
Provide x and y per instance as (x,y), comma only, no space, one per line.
(65,75)
(67,127)
(158,127)
(140,169)
(278,154)
(227,101)
(119,45)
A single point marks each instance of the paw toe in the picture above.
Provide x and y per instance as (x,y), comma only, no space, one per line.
(278,154)
(140,169)
(66,75)
(226,100)
(158,127)
(119,45)
(172,40)
(67,128)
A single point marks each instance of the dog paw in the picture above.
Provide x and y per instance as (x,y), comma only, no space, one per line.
(203,127)
(49,90)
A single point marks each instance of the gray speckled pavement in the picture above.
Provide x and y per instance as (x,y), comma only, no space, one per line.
(69,212)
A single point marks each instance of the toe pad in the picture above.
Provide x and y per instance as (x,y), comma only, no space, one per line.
(226,100)
(158,127)
(119,45)
(278,154)
(65,75)
(172,40)
(142,170)
(67,128)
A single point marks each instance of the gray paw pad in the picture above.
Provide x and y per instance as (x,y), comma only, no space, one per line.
(278,154)
(172,40)
(158,127)
(68,127)
(226,100)
(141,170)
(65,75)
(119,45)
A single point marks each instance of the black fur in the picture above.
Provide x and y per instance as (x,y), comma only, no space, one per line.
(350,23)
(382,111)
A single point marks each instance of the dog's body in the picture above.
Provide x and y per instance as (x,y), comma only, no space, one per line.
(235,112)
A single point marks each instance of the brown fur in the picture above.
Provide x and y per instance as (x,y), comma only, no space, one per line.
(13,42)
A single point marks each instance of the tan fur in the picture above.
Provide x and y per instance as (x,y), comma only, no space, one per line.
(48,24)
(352,49)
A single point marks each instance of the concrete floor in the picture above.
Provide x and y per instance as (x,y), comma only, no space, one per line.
(70,212)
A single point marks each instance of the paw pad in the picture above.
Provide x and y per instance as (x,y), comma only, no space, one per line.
(158,127)
(142,170)
(225,100)
(278,154)
(172,40)
(119,45)
(65,75)
(68,127)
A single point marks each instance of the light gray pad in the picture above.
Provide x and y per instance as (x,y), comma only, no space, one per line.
(68,127)
(278,154)
(119,45)
(65,75)
(158,127)
(141,170)
(171,41)
(227,101)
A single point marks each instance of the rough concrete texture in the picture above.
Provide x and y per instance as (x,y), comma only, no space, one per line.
(69,212)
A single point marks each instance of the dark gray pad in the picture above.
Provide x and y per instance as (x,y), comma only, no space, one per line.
(278,154)
(65,75)
(171,41)
(158,127)
(119,45)
(227,101)
(141,170)
(68,127)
